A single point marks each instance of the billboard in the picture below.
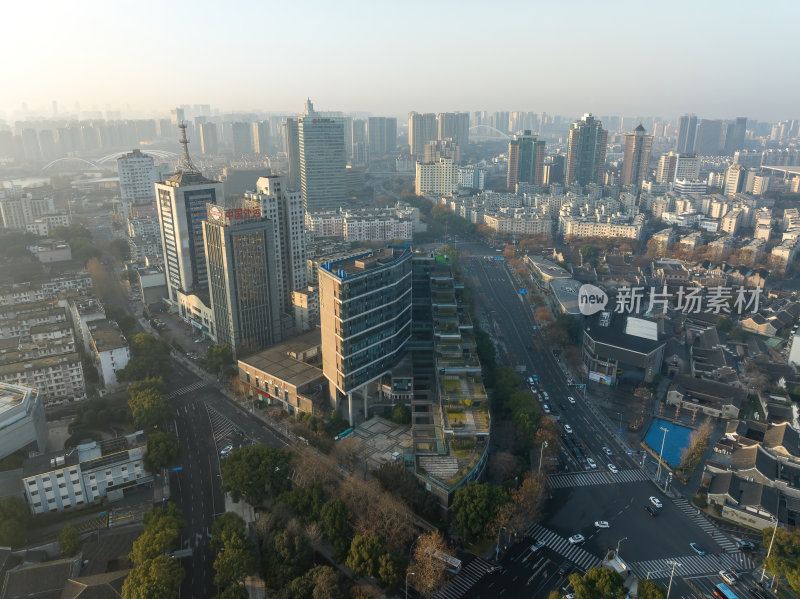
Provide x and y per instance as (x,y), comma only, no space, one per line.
(597,377)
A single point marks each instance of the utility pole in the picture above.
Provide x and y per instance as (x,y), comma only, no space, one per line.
(541,454)
(669,588)
(497,551)
(661,454)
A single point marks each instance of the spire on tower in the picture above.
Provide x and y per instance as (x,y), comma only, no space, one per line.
(185,164)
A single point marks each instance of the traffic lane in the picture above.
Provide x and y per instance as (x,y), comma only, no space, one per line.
(241,418)
(525,574)
(574,510)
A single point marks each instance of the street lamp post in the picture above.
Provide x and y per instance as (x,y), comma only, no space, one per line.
(407,575)
(661,454)
(764,568)
(541,454)
(669,588)
(497,551)
(616,553)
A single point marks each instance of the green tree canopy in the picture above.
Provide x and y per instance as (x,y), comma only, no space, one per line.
(598,583)
(474,506)
(335,524)
(68,539)
(219,359)
(162,529)
(365,554)
(235,560)
(157,578)
(647,589)
(255,473)
(163,451)
(389,573)
(784,559)
(229,522)
(150,409)
(235,591)
(150,358)
(14,520)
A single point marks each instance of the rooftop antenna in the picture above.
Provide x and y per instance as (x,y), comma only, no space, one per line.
(185,164)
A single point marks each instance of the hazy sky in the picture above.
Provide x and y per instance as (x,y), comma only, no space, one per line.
(716,59)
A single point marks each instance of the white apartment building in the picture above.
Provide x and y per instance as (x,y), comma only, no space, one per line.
(57,378)
(18,293)
(472,177)
(82,311)
(785,252)
(306,308)
(85,475)
(377,229)
(690,187)
(137,178)
(731,222)
(687,168)
(436,178)
(110,351)
(17,210)
(572,227)
(519,224)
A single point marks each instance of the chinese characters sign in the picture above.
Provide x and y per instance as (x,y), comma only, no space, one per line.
(689,300)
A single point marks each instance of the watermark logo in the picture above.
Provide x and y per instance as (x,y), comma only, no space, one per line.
(689,300)
(591,299)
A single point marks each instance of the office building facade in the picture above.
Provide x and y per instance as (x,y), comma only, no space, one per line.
(422,128)
(687,127)
(283,207)
(181,207)
(242,274)
(322,160)
(382,136)
(365,319)
(525,160)
(636,160)
(208,138)
(586,153)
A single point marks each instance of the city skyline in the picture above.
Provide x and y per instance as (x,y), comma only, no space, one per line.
(364,62)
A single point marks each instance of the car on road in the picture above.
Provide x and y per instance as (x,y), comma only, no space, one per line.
(200,340)
(592,463)
(576,539)
(493,569)
(745,546)
(535,378)
(697,549)
(546,396)
(613,468)
(571,399)
(608,451)
(226,450)
(546,408)
(534,327)
(536,546)
(651,510)
(568,428)
(601,524)
(656,502)
(728,576)
(530,380)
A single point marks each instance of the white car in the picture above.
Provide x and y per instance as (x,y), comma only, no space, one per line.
(576,539)
(613,468)
(656,502)
(546,408)
(546,396)
(601,524)
(592,463)
(536,546)
(608,451)
(571,399)
(728,576)
(568,429)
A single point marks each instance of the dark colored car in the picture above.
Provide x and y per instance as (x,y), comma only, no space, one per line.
(651,510)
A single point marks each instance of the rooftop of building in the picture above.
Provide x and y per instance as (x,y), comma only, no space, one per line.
(566,292)
(365,262)
(41,581)
(622,331)
(104,336)
(282,361)
(40,363)
(93,455)
(13,397)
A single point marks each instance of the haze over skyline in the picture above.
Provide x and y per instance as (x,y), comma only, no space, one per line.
(565,58)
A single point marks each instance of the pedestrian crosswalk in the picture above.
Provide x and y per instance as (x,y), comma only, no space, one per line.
(462,582)
(587,479)
(574,553)
(221,427)
(187,389)
(687,565)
